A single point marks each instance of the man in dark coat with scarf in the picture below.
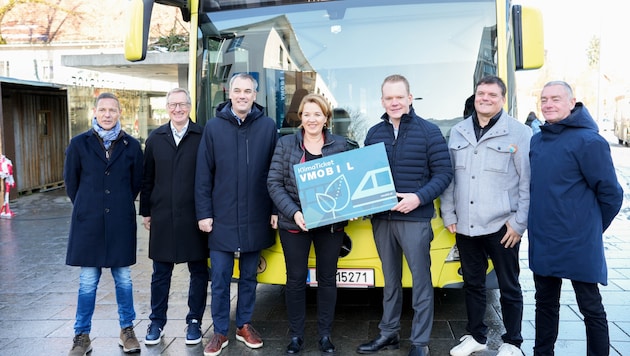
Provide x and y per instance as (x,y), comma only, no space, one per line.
(167,203)
(103,175)
(574,197)
(233,205)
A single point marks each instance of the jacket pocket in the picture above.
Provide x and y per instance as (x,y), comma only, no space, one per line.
(460,152)
(498,157)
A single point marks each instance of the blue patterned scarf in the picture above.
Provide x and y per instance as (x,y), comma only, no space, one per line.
(108,136)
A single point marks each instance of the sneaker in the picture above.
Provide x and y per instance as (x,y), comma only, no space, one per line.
(248,335)
(128,340)
(216,344)
(154,334)
(467,346)
(81,345)
(509,350)
(193,332)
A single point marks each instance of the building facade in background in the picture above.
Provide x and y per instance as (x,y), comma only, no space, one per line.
(45,102)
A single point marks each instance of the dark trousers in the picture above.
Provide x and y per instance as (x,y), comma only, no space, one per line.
(548,315)
(222,268)
(296,248)
(474,253)
(161,285)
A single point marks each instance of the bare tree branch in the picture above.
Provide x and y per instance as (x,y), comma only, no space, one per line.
(53,11)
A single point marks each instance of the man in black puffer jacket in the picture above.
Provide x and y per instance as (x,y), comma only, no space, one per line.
(421,168)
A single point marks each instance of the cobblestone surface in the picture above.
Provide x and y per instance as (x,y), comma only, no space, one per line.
(38,296)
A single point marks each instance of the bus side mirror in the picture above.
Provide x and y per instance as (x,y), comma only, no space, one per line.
(138,33)
(529,48)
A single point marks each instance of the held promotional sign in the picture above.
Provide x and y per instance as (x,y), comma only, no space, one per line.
(345,185)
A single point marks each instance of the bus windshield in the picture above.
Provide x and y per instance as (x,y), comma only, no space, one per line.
(442,47)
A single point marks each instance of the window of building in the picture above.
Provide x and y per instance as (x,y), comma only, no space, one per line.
(4,69)
(46,67)
(43,122)
(281,57)
(236,43)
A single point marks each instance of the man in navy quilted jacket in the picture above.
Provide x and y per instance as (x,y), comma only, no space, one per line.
(421,168)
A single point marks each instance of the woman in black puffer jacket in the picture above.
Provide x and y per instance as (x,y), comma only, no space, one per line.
(312,141)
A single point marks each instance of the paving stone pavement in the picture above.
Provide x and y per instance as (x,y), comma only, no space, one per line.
(38,297)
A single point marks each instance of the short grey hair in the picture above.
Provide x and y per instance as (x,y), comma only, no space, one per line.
(179,90)
(563,84)
(244,75)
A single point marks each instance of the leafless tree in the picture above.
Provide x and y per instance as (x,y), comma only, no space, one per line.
(56,16)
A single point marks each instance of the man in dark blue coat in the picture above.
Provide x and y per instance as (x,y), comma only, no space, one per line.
(167,204)
(103,175)
(233,205)
(574,197)
(421,168)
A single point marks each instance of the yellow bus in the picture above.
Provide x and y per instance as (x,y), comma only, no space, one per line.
(343,50)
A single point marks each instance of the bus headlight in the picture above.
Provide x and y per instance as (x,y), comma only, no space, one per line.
(453,255)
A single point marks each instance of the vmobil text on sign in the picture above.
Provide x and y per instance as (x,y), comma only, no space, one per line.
(345,185)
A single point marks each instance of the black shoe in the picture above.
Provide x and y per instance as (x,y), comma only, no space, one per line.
(419,350)
(326,346)
(295,346)
(381,342)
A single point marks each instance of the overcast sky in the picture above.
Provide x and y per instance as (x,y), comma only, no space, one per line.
(569,26)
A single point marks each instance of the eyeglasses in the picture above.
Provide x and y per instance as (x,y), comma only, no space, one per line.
(173,106)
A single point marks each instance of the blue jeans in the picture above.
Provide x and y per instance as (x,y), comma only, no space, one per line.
(222,267)
(88,283)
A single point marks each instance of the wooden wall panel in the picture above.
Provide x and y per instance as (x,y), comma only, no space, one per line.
(40,135)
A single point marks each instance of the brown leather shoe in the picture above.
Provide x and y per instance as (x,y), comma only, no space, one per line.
(248,335)
(216,344)
(128,340)
(81,345)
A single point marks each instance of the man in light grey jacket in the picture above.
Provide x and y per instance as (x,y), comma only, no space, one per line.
(486,206)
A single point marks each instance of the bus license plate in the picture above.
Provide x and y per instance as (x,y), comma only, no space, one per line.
(354,278)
